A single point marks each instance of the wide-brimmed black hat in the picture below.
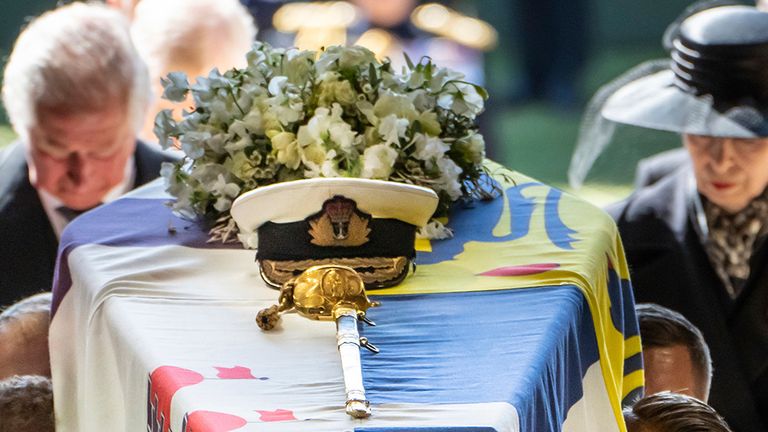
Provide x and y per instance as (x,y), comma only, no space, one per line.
(716,83)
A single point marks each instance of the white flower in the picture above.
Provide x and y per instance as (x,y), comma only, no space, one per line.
(254,121)
(312,132)
(449,179)
(429,149)
(422,100)
(326,126)
(476,148)
(332,88)
(434,230)
(225,193)
(165,128)
(207,88)
(241,166)
(287,149)
(442,77)
(378,161)
(249,240)
(299,68)
(392,129)
(414,79)
(175,86)
(322,168)
(341,134)
(463,99)
(398,105)
(236,145)
(344,58)
(366,108)
(217,143)
(193,143)
(276,85)
(287,116)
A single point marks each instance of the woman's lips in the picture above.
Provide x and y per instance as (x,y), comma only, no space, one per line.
(722,185)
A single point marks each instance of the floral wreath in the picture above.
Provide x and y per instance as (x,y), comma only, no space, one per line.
(292,114)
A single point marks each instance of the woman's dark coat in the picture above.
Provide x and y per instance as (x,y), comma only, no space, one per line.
(669,266)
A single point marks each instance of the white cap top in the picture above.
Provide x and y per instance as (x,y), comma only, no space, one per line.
(294,201)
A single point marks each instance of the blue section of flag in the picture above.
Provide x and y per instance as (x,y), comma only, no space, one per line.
(633,363)
(559,234)
(137,222)
(439,351)
(622,305)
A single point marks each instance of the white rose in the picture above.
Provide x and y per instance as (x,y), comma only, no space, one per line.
(378,161)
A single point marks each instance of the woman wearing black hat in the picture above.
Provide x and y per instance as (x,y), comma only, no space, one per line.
(696,239)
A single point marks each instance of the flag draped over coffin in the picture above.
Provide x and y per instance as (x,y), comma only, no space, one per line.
(523,321)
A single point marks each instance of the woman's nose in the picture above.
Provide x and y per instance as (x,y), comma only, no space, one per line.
(721,155)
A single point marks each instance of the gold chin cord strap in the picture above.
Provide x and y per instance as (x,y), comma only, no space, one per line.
(331,293)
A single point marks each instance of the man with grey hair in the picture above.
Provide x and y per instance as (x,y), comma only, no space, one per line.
(190,36)
(76,94)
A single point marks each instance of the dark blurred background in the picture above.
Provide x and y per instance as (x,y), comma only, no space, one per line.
(540,60)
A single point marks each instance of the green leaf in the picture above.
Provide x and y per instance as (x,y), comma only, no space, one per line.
(408,61)
(372,75)
(481,91)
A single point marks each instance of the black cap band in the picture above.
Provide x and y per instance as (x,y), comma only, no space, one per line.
(292,241)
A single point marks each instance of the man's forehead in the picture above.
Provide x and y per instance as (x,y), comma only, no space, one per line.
(61,116)
(85,125)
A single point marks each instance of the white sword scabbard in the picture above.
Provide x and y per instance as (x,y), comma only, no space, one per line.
(348,342)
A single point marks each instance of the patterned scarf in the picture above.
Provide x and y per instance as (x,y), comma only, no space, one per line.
(732,240)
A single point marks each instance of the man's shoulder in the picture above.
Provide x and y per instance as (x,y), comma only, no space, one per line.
(153,153)
(13,174)
(149,158)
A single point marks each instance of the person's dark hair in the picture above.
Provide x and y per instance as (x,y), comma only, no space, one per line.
(26,404)
(662,327)
(673,412)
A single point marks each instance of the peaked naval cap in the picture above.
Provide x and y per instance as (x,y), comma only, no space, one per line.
(369,225)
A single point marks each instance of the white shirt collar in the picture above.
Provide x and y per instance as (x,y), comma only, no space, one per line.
(51,203)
